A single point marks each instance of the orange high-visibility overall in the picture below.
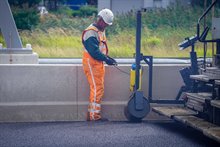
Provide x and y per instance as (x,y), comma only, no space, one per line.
(95,71)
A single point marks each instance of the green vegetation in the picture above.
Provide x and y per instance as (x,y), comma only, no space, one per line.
(26,19)
(25,13)
(59,33)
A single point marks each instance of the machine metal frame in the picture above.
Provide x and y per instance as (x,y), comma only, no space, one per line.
(139,106)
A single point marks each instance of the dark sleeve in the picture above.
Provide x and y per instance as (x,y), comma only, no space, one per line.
(92,46)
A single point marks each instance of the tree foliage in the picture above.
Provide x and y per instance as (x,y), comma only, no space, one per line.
(26,20)
(92,2)
(25,13)
(202,2)
(24,3)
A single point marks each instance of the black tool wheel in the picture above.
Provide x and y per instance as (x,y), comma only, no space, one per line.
(134,115)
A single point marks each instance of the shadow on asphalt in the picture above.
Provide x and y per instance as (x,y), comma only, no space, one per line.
(187,132)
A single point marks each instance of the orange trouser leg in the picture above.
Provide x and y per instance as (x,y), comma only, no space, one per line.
(94,71)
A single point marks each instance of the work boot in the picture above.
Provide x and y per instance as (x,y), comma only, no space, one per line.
(97,117)
(101,119)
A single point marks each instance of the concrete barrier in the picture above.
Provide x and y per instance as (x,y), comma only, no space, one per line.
(9,57)
(59,92)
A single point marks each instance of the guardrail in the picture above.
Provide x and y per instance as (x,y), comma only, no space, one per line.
(119,60)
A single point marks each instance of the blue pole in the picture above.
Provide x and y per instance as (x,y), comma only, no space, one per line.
(138,50)
(150,65)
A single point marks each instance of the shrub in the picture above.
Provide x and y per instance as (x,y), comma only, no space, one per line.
(153,41)
(26,19)
(53,21)
(2,41)
(64,10)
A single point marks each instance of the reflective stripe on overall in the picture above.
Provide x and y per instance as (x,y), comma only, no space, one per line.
(95,71)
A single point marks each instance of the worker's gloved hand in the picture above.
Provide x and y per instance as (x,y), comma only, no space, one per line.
(110,61)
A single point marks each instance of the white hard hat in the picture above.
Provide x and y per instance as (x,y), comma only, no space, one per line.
(107,16)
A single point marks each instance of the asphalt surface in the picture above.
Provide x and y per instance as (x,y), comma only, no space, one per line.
(101,134)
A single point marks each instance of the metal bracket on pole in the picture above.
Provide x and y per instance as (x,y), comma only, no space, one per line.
(8,27)
(14,53)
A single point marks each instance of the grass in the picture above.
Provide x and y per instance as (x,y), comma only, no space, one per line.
(54,43)
(59,36)
(60,43)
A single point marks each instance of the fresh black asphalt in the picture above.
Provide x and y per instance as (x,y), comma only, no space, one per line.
(101,134)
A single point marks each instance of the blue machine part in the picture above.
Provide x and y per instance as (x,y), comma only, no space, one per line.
(75,4)
(133,66)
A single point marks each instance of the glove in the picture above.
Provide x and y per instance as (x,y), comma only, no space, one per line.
(110,61)
(115,62)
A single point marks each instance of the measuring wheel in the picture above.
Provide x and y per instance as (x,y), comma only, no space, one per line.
(138,107)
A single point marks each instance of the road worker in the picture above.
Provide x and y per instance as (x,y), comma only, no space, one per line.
(94,54)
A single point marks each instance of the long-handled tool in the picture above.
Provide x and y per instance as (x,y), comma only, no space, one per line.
(139,106)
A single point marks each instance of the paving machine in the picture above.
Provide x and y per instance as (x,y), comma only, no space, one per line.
(195,66)
(201,83)
(201,107)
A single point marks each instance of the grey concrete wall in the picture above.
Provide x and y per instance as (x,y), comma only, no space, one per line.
(8,58)
(60,92)
(124,6)
(104,4)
